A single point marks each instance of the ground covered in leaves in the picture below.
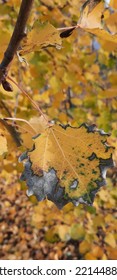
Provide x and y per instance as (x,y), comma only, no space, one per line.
(30,232)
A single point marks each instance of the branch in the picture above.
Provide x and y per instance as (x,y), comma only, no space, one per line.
(17,36)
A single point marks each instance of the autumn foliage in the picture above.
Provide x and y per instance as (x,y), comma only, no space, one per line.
(58,129)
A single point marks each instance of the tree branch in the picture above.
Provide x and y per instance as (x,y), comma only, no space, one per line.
(17,36)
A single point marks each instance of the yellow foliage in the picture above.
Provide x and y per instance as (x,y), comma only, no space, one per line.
(84,247)
(110,239)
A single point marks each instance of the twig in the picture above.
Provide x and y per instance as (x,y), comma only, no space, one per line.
(17,36)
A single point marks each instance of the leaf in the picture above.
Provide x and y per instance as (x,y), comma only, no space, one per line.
(68,164)
(67,33)
(51,235)
(110,240)
(77,231)
(41,36)
(84,247)
(108,93)
(93,19)
(111,23)
(91,14)
(3,143)
(63,231)
(35,125)
(103,34)
(113,3)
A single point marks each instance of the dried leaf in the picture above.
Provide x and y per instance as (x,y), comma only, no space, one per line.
(77,231)
(63,231)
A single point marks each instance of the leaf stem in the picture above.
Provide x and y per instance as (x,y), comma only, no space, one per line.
(68,28)
(21,120)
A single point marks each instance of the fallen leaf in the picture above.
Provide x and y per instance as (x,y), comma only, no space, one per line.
(77,231)
(110,240)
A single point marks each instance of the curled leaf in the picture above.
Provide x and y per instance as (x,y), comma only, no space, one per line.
(67,33)
(7,86)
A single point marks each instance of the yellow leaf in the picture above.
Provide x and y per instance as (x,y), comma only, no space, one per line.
(90,256)
(74,158)
(84,247)
(3,143)
(97,251)
(111,23)
(27,131)
(112,253)
(110,240)
(52,235)
(109,93)
(77,231)
(63,231)
(92,19)
(103,34)
(41,35)
(113,3)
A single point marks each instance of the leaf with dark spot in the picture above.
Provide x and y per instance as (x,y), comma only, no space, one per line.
(67,33)
(67,174)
